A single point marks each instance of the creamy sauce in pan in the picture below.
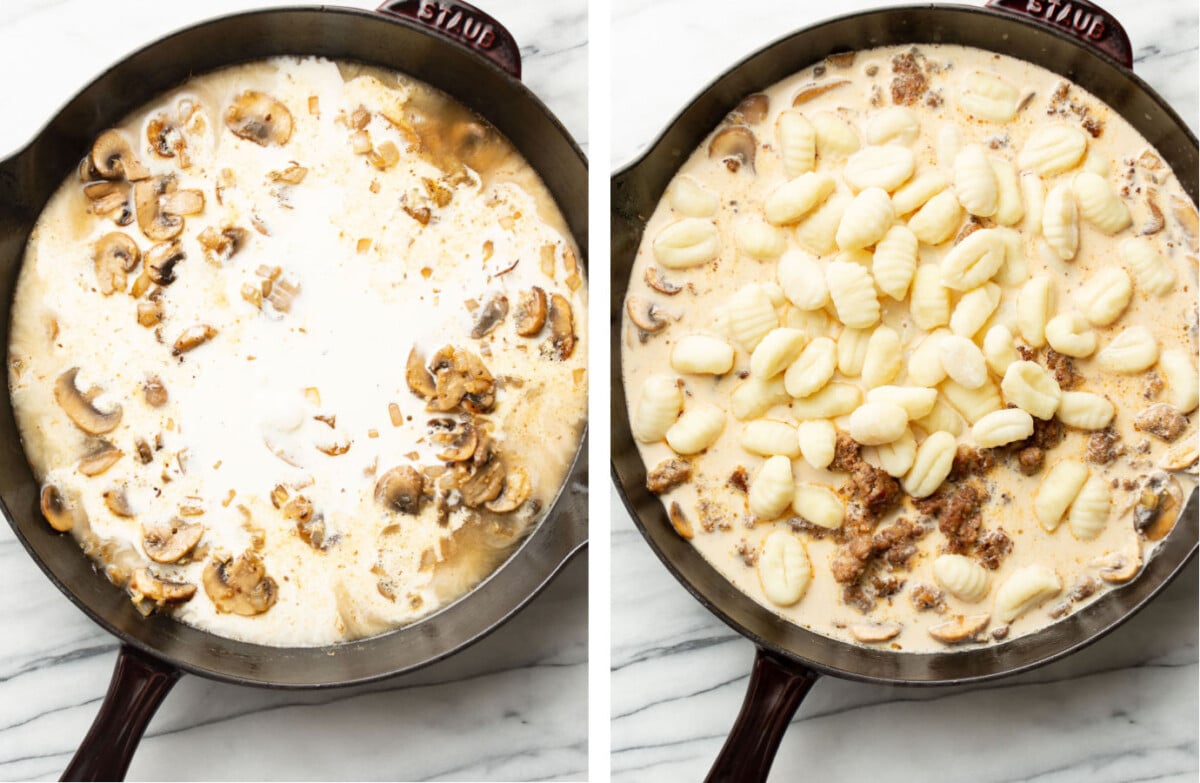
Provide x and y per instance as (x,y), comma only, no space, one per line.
(725,190)
(388,221)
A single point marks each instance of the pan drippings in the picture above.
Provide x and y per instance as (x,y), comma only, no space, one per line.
(299,353)
(910,348)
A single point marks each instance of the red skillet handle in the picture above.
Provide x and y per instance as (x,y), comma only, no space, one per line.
(139,684)
(464,23)
(775,691)
(1086,21)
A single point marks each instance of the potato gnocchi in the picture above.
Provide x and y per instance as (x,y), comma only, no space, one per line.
(925,362)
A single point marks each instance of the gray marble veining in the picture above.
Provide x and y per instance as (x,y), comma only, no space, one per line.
(1124,709)
(513,707)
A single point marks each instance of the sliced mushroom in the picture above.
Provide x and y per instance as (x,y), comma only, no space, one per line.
(220,246)
(1186,216)
(646,316)
(166,139)
(170,542)
(1156,221)
(61,513)
(962,628)
(1181,456)
(655,280)
(516,491)
(460,377)
(312,531)
(490,315)
(161,261)
(460,438)
(401,489)
(155,391)
(483,483)
(194,337)
(680,521)
(752,110)
(240,586)
(875,632)
(1119,567)
(118,501)
(78,405)
(150,314)
(841,60)
(101,456)
(155,222)
(159,590)
(299,508)
(562,328)
(417,375)
(735,145)
(1157,506)
(113,158)
(110,198)
(182,202)
(115,255)
(259,118)
(816,89)
(531,312)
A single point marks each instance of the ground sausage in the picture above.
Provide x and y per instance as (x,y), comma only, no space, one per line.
(1161,420)
(970,461)
(667,475)
(993,547)
(909,83)
(1104,446)
(1030,459)
(1063,368)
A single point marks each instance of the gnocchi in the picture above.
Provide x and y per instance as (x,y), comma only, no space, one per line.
(1183,384)
(797,142)
(914,194)
(812,369)
(754,396)
(975,182)
(852,351)
(885,167)
(973,261)
(1089,511)
(687,243)
(866,220)
(896,458)
(1053,149)
(878,422)
(1031,388)
(659,406)
(696,429)
(836,138)
(1056,492)
(794,199)
(1105,295)
(819,505)
(1035,306)
(833,400)
(769,438)
(690,199)
(698,354)
(759,239)
(817,231)
(895,124)
(1060,222)
(963,361)
(784,571)
(1026,589)
(973,404)
(974,309)
(961,577)
(937,219)
(989,96)
(818,442)
(999,349)
(853,293)
(1099,203)
(934,458)
(884,357)
(1002,427)
(929,302)
(777,349)
(1152,273)
(1085,411)
(916,401)
(1133,350)
(1071,334)
(772,488)
(802,280)
(895,262)
(751,315)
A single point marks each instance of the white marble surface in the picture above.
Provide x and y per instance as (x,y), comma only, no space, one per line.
(513,707)
(1123,710)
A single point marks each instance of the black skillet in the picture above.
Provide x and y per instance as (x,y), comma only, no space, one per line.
(457,49)
(1088,47)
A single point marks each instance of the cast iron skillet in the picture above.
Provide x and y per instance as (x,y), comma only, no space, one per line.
(461,51)
(789,659)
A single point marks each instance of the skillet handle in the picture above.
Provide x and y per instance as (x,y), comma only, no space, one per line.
(139,685)
(464,23)
(775,691)
(1080,19)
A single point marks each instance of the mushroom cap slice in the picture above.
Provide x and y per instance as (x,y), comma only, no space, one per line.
(870,632)
(531,312)
(159,590)
(679,521)
(460,378)
(62,514)
(78,405)
(655,280)
(112,158)
(562,328)
(161,260)
(490,315)
(460,438)
(735,145)
(153,220)
(961,628)
(118,501)
(100,458)
(1119,567)
(257,117)
(516,491)
(115,254)
(240,586)
(417,375)
(646,316)
(482,484)
(753,109)
(193,337)
(170,542)
(401,489)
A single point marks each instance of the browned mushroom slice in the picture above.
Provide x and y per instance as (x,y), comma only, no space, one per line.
(161,260)
(401,489)
(1185,214)
(962,628)
(1156,222)
(115,255)
(562,329)
(655,280)
(166,139)
(240,586)
(182,202)
(1181,456)
(531,312)
(61,513)
(735,145)
(871,632)
(516,491)
(150,314)
(170,542)
(118,501)
(78,405)
(752,110)
(460,438)
(193,337)
(1157,507)
(460,377)
(259,118)
(490,315)
(646,316)
(312,531)
(110,198)
(113,158)
(159,590)
(680,521)
(417,375)
(1119,567)
(484,483)
(155,222)
(155,391)
(817,89)
(100,457)
(841,60)
(220,246)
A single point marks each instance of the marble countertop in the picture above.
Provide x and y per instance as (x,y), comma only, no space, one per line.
(1124,709)
(513,707)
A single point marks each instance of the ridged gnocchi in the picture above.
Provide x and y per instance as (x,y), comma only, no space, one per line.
(759,239)
(1035,306)
(973,310)
(852,351)
(769,438)
(754,396)
(1133,350)
(1058,489)
(975,182)
(913,195)
(690,199)
(963,361)
(915,400)
(1071,334)
(866,220)
(658,407)
(1151,272)
(1089,511)
(795,198)
(937,219)
(853,293)
(687,243)
(1033,194)
(934,458)
(896,457)
(973,404)
(1031,388)
(1027,588)
(895,124)
(700,354)
(696,429)
(1105,295)
(998,428)
(884,357)
(886,167)
(833,400)
(751,315)
(812,369)
(802,280)
(1010,207)
(989,96)
(999,349)
(929,301)
(817,231)
(818,442)
(1060,222)
(1053,149)
(836,138)
(1085,410)
(941,418)
(819,505)
(797,139)
(961,577)
(784,571)
(925,362)
(1099,203)
(1183,384)
(772,488)
(878,422)
(973,261)
(895,262)
(777,349)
